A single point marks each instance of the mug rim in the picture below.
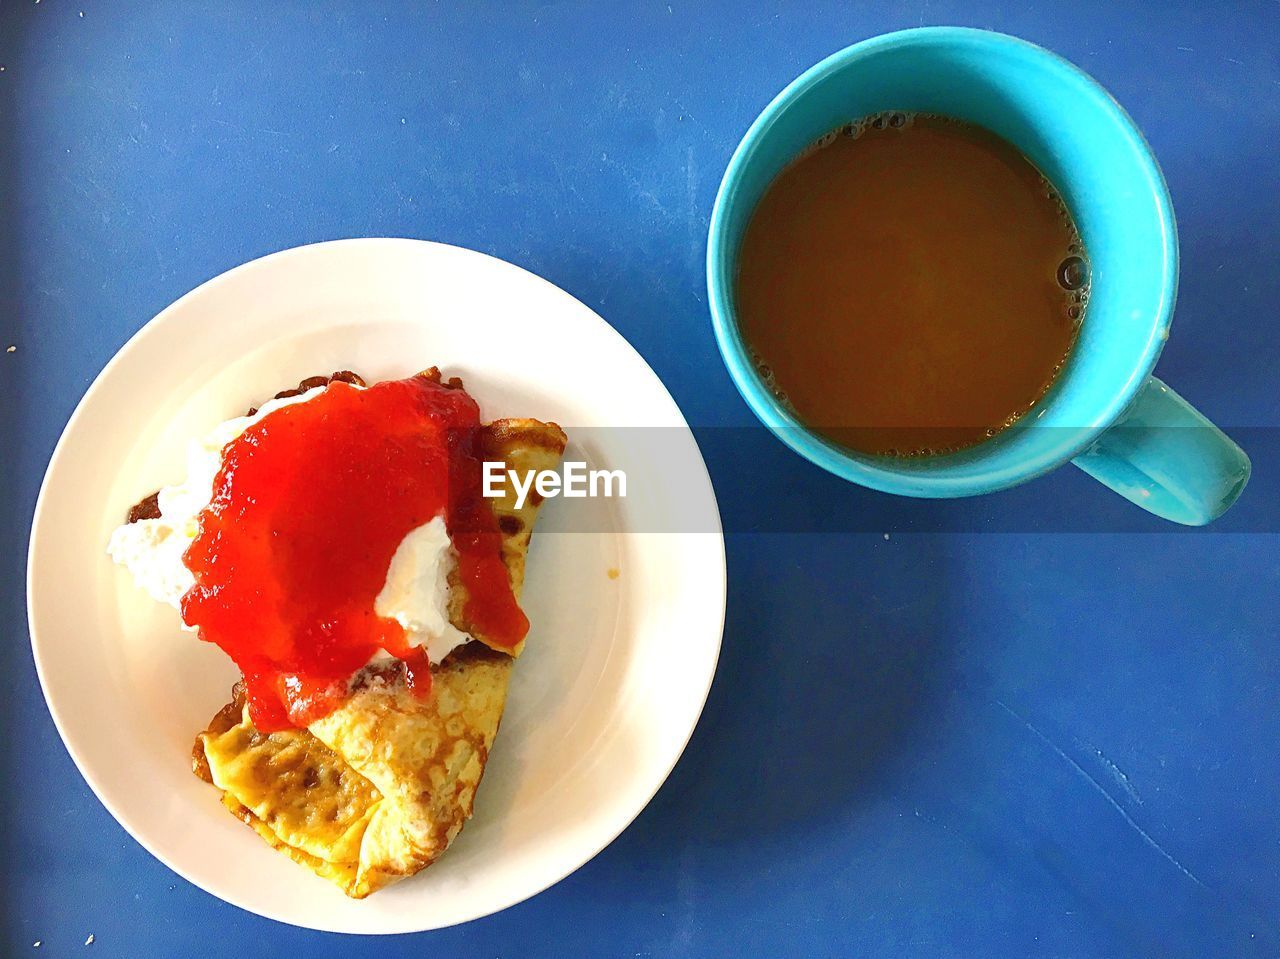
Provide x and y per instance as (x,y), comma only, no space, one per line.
(850,465)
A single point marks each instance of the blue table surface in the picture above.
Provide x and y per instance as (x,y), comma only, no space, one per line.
(1036,724)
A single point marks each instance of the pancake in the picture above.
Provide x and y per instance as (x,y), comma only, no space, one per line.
(377,789)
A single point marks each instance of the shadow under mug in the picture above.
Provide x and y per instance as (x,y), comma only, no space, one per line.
(1105,411)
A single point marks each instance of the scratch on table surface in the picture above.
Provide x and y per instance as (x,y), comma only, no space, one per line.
(691,199)
(565,185)
(637,187)
(684,110)
(255,57)
(155,247)
(1098,787)
(244,130)
(1115,771)
(931,820)
(77,187)
(406,200)
(686,898)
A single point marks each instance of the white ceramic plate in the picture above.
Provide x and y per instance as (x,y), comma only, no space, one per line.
(615,671)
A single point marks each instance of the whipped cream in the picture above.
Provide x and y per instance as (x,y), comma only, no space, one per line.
(151,549)
(416,592)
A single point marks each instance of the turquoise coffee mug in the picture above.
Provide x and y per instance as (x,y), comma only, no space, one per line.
(1106,412)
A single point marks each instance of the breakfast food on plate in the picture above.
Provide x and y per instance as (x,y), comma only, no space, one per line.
(335,543)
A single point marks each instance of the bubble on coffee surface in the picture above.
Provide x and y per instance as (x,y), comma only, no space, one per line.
(765,372)
(1073,273)
(921,452)
(885,120)
(823,141)
(804,154)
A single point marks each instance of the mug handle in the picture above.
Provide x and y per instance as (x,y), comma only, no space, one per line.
(1165,456)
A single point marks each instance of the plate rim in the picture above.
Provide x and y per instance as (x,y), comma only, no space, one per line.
(38,521)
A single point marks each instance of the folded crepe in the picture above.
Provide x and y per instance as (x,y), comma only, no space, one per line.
(377,789)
